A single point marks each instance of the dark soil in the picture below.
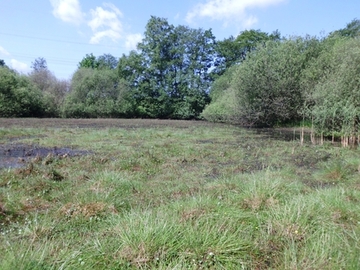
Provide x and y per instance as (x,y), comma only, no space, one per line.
(96,123)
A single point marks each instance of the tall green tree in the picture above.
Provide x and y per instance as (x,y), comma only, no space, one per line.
(156,54)
(170,74)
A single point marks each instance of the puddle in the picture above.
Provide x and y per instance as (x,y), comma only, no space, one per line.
(16,155)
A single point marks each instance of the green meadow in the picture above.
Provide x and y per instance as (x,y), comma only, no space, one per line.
(160,194)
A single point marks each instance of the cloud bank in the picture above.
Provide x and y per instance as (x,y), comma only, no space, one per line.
(229,10)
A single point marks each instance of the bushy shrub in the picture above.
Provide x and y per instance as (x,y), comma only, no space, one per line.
(336,95)
(97,93)
(265,89)
(223,99)
(18,96)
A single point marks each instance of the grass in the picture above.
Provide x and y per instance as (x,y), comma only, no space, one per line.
(176,195)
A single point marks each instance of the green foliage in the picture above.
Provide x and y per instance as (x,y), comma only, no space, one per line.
(352,30)
(105,61)
(18,96)
(225,109)
(233,51)
(336,96)
(249,40)
(89,61)
(2,63)
(97,93)
(223,106)
(268,83)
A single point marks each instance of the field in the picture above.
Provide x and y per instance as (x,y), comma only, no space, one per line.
(160,194)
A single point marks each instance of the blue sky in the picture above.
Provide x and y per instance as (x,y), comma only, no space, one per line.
(64,31)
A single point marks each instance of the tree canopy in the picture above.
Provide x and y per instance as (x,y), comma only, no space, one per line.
(105,61)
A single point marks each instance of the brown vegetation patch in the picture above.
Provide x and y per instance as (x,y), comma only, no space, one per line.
(87,210)
(192,214)
(136,256)
(97,188)
(191,191)
(35,205)
(257,203)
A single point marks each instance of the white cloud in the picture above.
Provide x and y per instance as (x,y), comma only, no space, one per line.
(19,66)
(4,52)
(105,23)
(132,40)
(229,10)
(68,11)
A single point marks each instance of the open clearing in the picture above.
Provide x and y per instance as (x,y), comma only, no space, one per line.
(162,194)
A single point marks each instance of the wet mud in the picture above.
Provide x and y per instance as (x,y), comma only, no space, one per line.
(17,155)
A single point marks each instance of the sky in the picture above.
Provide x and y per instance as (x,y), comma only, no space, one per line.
(64,31)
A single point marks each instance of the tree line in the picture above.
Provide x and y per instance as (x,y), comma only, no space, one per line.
(254,79)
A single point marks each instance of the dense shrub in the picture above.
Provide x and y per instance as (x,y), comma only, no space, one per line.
(267,85)
(336,94)
(18,96)
(97,93)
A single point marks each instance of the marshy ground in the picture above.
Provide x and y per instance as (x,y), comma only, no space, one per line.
(162,194)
